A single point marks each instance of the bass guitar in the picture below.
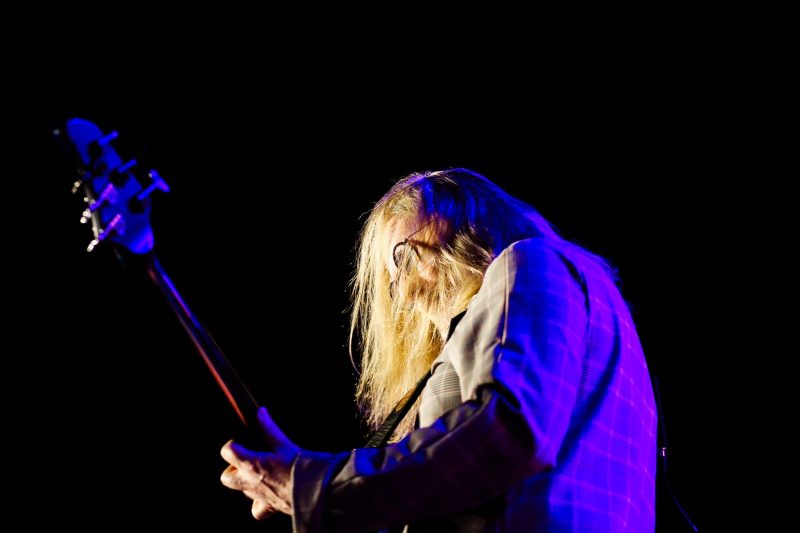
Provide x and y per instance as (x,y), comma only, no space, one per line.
(118,203)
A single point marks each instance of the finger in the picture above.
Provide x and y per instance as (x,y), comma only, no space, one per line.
(238,455)
(275,437)
(230,478)
(261,509)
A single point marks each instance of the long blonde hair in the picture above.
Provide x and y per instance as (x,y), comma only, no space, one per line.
(469,220)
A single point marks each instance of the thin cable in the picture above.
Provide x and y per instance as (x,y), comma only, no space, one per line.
(663,454)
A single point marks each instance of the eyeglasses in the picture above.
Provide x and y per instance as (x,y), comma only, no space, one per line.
(401,256)
(400,259)
(399,252)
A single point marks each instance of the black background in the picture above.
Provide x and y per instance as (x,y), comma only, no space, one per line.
(257,233)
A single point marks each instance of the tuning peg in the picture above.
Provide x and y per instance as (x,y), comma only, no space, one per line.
(117,224)
(109,195)
(76,186)
(119,175)
(105,139)
(158,183)
(126,166)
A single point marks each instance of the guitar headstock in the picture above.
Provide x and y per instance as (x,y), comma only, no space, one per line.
(117,201)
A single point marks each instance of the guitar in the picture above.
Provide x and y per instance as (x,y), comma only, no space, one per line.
(118,205)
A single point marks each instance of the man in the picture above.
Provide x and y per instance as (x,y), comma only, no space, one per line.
(535,409)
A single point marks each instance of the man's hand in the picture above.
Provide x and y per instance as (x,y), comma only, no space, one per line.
(264,477)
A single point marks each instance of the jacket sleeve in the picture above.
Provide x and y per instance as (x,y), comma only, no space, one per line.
(518,357)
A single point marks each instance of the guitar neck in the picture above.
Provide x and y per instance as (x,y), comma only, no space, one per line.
(118,206)
(220,367)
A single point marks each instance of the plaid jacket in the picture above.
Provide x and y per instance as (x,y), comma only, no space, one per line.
(539,416)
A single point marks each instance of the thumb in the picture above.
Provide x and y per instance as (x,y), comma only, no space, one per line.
(275,438)
(237,455)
